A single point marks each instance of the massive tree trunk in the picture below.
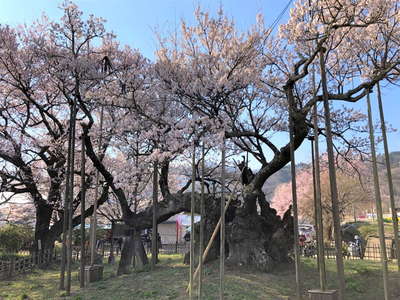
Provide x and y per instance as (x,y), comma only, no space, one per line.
(130,248)
(43,218)
(256,236)
(212,215)
(48,233)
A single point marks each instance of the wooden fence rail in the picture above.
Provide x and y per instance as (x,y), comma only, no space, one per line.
(17,265)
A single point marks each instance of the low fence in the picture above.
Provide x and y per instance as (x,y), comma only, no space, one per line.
(370,252)
(104,249)
(18,265)
(22,264)
(181,248)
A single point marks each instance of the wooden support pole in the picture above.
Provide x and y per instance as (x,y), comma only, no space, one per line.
(311,139)
(222,230)
(70,200)
(93,223)
(390,180)
(83,196)
(65,214)
(318,210)
(191,282)
(154,230)
(210,242)
(299,281)
(111,258)
(202,223)
(332,180)
(378,203)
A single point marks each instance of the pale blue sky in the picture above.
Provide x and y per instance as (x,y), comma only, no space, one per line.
(134,22)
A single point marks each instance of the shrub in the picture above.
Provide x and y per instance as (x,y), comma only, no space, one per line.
(14,237)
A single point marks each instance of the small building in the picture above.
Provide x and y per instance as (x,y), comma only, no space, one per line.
(173,230)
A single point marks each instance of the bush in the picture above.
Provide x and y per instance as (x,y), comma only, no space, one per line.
(15,237)
(101,234)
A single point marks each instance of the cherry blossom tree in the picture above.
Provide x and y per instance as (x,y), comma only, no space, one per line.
(42,68)
(353,191)
(208,83)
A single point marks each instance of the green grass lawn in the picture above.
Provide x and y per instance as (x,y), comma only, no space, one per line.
(170,278)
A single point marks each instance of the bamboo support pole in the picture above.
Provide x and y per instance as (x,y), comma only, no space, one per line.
(389,177)
(378,203)
(332,180)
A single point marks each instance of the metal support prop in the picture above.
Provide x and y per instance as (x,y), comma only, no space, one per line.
(390,180)
(332,180)
(83,196)
(378,203)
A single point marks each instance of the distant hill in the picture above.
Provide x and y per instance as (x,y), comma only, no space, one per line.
(394,159)
(395,167)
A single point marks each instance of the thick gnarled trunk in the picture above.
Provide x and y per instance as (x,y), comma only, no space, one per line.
(43,218)
(255,236)
(258,237)
(130,248)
